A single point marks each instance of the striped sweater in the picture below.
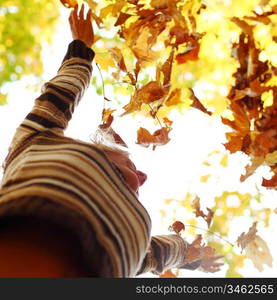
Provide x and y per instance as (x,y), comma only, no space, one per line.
(71,182)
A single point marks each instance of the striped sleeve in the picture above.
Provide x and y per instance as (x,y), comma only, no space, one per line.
(165,252)
(54,107)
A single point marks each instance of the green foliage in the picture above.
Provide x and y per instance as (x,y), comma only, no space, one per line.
(24,26)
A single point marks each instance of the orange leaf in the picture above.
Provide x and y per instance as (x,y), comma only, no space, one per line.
(167,122)
(122,19)
(106,113)
(158,138)
(118,57)
(197,104)
(270,183)
(168,274)
(150,92)
(177,227)
(191,53)
(174,97)
(167,68)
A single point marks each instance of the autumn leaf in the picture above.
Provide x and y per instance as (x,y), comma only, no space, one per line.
(167,68)
(158,138)
(259,253)
(106,114)
(255,248)
(168,123)
(270,183)
(107,120)
(199,213)
(196,251)
(210,264)
(118,57)
(245,238)
(122,19)
(150,92)
(190,54)
(197,104)
(168,274)
(177,227)
(174,97)
(251,168)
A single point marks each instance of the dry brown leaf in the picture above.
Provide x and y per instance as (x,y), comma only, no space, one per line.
(196,251)
(259,253)
(270,183)
(197,104)
(190,54)
(255,248)
(199,213)
(210,264)
(167,68)
(179,34)
(250,169)
(177,227)
(245,238)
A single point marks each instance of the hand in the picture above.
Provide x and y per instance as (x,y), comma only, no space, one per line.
(81,28)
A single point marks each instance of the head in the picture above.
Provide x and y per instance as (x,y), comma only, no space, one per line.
(119,157)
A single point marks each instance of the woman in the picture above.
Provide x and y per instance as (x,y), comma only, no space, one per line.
(70,208)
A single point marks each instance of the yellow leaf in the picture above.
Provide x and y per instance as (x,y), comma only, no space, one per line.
(205,178)
(3,99)
(104,61)
(224,161)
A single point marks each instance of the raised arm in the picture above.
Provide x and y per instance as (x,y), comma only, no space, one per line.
(166,252)
(54,107)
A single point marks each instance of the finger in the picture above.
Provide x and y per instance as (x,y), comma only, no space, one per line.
(71,18)
(75,11)
(81,15)
(88,18)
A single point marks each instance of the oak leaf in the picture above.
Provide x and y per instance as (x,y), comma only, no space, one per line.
(255,248)
(259,253)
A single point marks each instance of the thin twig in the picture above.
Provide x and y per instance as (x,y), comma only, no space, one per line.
(155,115)
(211,232)
(103,85)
